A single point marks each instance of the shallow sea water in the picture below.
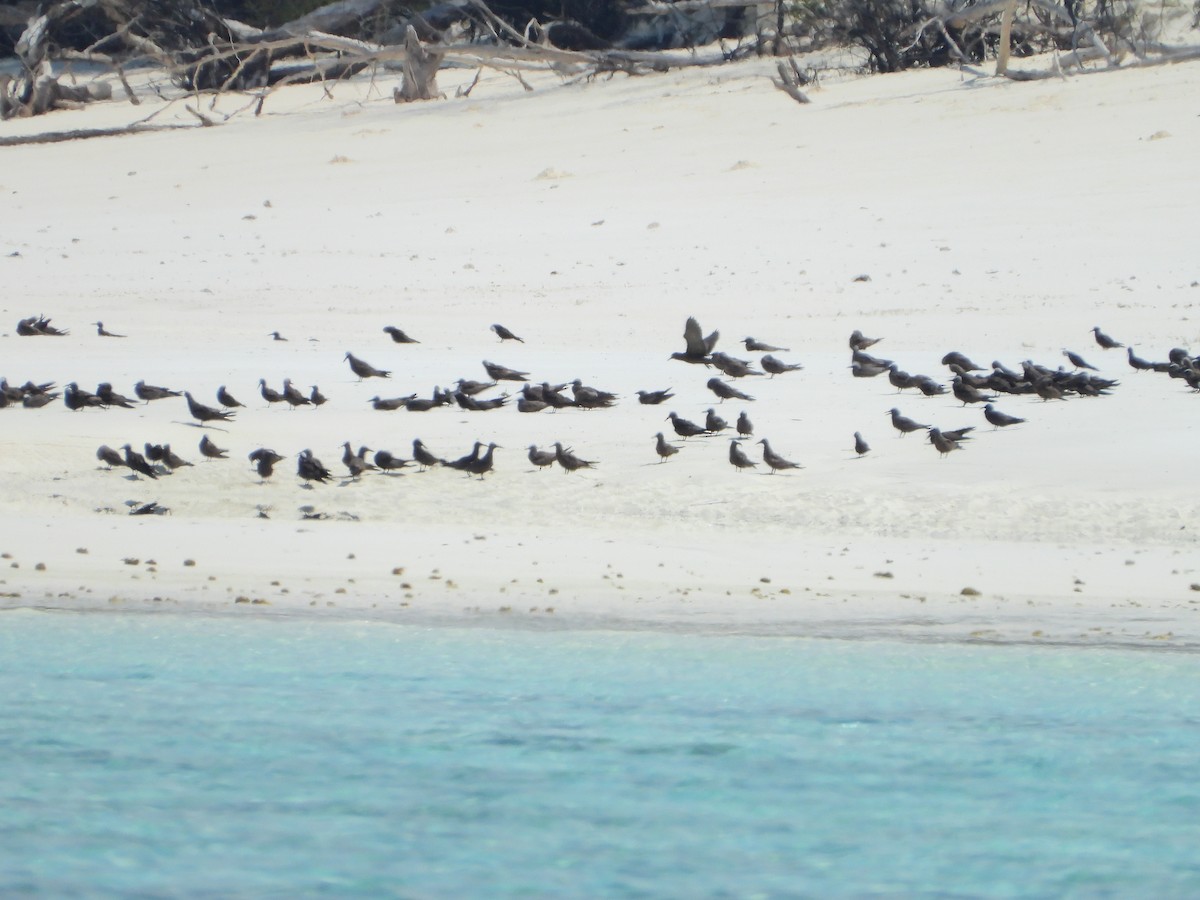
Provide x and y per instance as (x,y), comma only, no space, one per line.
(176,756)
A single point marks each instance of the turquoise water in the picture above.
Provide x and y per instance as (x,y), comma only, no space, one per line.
(172,756)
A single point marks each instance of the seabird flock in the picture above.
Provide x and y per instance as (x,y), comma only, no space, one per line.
(969,383)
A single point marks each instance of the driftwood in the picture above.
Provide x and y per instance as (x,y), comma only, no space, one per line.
(420,71)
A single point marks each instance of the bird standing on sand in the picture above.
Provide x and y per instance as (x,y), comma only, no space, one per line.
(685,428)
(958,359)
(726,391)
(138,463)
(109,456)
(774,366)
(227,399)
(386,462)
(774,460)
(1104,340)
(483,464)
(310,468)
(276,336)
(203,413)
(753,346)
(293,397)
(316,398)
(943,443)
(861,447)
(209,450)
(109,397)
(103,332)
(171,460)
(1078,361)
(541,458)
(858,342)
(904,424)
(264,460)
(463,462)
(664,450)
(738,457)
(76,397)
(364,369)
(502,373)
(505,335)
(744,426)
(399,336)
(998,418)
(422,456)
(653,398)
(150,392)
(698,347)
(714,423)
(569,461)
(968,394)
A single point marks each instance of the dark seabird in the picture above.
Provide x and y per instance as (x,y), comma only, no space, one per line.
(541,458)
(698,347)
(959,434)
(109,456)
(37,326)
(76,397)
(390,404)
(734,368)
(744,426)
(422,404)
(860,446)
(968,394)
(653,398)
(464,462)
(590,397)
(553,396)
(569,461)
(943,444)
(998,418)
(227,399)
(364,369)
(726,391)
(138,463)
(209,450)
(100,330)
(293,397)
(904,424)
(150,392)
(928,386)
(1104,340)
(154,452)
(33,401)
(753,346)
(310,468)
(269,394)
(738,456)
(1047,390)
(503,373)
(866,370)
(10,393)
(264,460)
(714,423)
(386,462)
(664,450)
(866,359)
(276,336)
(471,388)
(775,366)
(530,406)
(685,428)
(356,464)
(109,397)
(900,379)
(1078,361)
(958,359)
(1142,365)
(504,334)
(205,413)
(316,398)
(422,456)
(858,342)
(171,459)
(399,336)
(484,464)
(774,460)
(473,405)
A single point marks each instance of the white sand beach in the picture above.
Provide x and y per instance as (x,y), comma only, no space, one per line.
(933,209)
